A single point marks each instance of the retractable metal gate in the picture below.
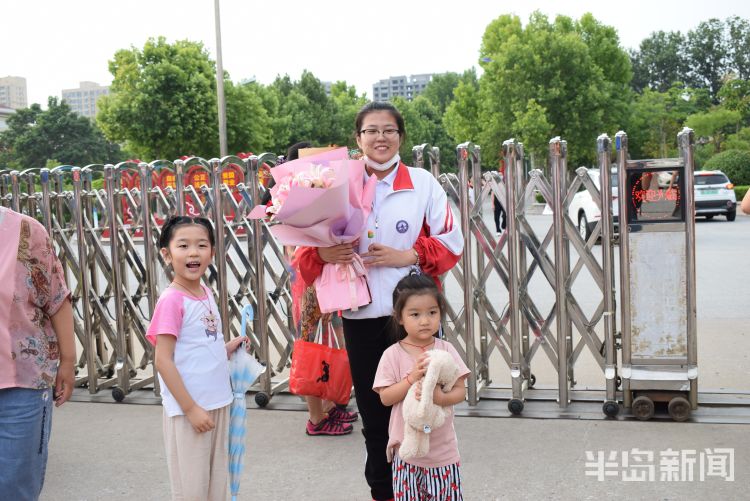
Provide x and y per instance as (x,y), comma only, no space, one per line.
(514,300)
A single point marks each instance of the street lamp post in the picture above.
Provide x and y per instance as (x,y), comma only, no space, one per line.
(220,85)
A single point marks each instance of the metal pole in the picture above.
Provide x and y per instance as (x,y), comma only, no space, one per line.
(46,208)
(621,146)
(179,187)
(465,153)
(15,189)
(557,152)
(121,350)
(221,263)
(511,149)
(255,248)
(220,85)
(686,142)
(89,335)
(481,289)
(604,152)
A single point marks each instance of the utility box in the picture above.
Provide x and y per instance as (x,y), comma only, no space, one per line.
(657,281)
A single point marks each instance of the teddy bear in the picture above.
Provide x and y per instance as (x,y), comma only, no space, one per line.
(422,416)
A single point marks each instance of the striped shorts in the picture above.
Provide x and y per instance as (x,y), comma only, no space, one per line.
(415,483)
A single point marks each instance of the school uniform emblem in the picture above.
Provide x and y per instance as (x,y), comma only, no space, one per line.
(402,226)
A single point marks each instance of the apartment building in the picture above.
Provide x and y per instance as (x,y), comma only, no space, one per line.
(83,99)
(404,86)
(13,93)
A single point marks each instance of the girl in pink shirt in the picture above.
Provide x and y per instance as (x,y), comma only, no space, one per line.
(192,361)
(418,308)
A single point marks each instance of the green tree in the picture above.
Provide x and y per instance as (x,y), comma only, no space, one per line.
(346,104)
(714,125)
(738,40)
(657,117)
(163,100)
(707,51)
(250,123)
(534,130)
(424,125)
(735,95)
(440,90)
(35,136)
(461,119)
(734,163)
(738,141)
(659,62)
(307,112)
(575,71)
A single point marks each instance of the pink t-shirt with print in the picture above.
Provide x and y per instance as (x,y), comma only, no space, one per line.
(395,365)
(199,353)
(33,289)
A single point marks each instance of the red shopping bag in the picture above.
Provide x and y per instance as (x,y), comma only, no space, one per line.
(320,370)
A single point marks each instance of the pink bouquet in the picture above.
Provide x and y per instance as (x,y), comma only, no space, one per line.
(317,177)
(320,201)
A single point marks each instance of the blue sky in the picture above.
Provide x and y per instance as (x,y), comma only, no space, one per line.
(55,44)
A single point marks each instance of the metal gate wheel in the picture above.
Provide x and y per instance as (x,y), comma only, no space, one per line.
(643,408)
(679,409)
(611,408)
(515,406)
(118,395)
(261,399)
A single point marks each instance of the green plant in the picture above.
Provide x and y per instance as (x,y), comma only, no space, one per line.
(734,163)
(740,191)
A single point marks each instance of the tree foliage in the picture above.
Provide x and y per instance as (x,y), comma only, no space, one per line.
(714,125)
(162,101)
(461,119)
(424,125)
(35,137)
(734,163)
(657,118)
(574,74)
(659,62)
(705,58)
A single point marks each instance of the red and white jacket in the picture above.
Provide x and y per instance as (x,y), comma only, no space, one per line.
(411,210)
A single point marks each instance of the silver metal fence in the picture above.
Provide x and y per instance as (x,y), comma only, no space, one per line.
(107,240)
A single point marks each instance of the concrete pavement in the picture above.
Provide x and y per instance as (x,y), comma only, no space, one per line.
(115,452)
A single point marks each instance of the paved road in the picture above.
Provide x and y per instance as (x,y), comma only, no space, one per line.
(115,452)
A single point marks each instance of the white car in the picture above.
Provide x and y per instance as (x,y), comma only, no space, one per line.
(584,212)
(714,195)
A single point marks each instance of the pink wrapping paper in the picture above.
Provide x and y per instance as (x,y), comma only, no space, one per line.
(318,217)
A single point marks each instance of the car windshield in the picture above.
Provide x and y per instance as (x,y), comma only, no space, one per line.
(705,179)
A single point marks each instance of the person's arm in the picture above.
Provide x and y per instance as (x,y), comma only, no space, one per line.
(440,243)
(232,345)
(164,359)
(745,206)
(396,392)
(62,324)
(455,396)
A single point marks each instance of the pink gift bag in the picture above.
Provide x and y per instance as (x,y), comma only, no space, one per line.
(343,286)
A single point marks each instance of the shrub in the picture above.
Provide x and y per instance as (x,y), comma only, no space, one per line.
(734,163)
(740,191)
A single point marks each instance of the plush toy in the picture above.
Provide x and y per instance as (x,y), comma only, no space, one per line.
(422,416)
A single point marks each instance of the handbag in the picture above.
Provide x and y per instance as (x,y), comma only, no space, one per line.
(343,286)
(320,370)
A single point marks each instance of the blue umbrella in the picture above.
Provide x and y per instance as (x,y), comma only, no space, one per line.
(243,371)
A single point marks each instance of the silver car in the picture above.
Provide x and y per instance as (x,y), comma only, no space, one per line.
(714,195)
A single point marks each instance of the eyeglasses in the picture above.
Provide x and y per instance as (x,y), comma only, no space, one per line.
(373,133)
